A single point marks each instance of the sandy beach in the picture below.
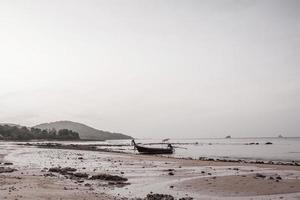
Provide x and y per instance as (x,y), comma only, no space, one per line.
(41,173)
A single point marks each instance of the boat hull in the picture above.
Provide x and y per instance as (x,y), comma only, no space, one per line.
(146,150)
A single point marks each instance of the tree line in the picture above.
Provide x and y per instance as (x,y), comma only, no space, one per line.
(23,133)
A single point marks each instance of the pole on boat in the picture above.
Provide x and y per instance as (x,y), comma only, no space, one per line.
(134,145)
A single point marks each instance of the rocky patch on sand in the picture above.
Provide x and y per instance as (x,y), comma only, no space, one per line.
(152,196)
(62,170)
(7,170)
(291,163)
(159,197)
(71,173)
(108,177)
(276,177)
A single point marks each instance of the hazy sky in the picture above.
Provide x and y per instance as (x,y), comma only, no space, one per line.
(153,68)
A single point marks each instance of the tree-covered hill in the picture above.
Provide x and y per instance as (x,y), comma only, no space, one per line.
(85,132)
(8,132)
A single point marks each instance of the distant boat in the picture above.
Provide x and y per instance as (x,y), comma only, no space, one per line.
(149,150)
(228,137)
(280,136)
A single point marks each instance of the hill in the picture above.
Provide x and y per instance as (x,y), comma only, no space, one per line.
(85,132)
(21,133)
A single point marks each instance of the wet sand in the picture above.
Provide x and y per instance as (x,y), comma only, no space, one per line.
(32,184)
(145,174)
(237,185)
(17,186)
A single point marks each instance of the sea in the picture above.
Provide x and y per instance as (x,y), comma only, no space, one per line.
(278,149)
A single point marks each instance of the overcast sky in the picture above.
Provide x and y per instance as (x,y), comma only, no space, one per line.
(153,68)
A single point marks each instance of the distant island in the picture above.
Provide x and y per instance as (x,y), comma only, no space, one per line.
(60,130)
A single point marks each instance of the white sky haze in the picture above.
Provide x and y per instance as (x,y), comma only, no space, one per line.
(153,68)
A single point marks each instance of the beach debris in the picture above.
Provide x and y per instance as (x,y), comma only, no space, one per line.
(118,183)
(159,197)
(171,173)
(68,172)
(80,175)
(49,175)
(268,143)
(258,175)
(62,170)
(7,170)
(186,198)
(7,163)
(252,143)
(87,185)
(108,177)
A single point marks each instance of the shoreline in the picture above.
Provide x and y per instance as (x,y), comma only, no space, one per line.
(198,179)
(94,148)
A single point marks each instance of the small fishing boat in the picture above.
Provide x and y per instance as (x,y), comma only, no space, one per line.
(150,150)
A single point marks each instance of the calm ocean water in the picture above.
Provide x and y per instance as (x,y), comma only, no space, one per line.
(281,149)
